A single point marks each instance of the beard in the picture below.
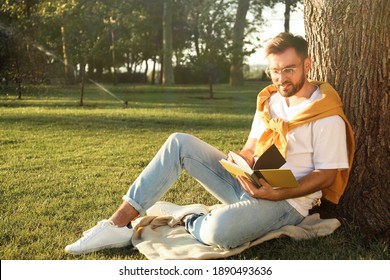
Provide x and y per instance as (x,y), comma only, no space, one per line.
(288,89)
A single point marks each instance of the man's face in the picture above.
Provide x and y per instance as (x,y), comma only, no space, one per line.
(288,71)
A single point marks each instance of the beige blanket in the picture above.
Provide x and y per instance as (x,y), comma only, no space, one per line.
(162,238)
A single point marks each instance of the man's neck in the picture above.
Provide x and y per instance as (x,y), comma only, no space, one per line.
(304,94)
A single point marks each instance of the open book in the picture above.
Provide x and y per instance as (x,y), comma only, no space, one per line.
(267,167)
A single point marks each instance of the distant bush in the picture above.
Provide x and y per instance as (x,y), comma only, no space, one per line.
(256,72)
(126,78)
(199,74)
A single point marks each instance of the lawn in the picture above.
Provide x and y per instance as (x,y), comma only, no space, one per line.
(64,167)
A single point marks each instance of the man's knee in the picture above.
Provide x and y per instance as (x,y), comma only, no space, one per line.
(219,233)
(179,138)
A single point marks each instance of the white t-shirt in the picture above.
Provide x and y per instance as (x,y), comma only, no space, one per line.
(317,145)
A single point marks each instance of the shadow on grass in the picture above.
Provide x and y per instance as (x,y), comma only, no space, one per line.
(135,96)
(149,102)
(119,123)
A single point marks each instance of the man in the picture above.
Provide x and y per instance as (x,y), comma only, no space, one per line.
(306,124)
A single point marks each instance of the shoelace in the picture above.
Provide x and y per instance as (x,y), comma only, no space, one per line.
(96,228)
(165,210)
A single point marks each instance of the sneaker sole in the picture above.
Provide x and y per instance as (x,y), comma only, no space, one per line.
(111,246)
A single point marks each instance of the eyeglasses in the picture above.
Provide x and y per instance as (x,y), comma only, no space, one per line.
(288,71)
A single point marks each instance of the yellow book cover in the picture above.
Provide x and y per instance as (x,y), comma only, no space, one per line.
(266,167)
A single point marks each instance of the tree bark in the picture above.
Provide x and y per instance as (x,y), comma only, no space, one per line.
(68,68)
(82,74)
(287,12)
(196,34)
(350,46)
(113,56)
(153,80)
(168,78)
(236,71)
(18,77)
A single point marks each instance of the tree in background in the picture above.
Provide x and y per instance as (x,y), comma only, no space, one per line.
(243,27)
(236,70)
(289,6)
(168,77)
(102,39)
(11,66)
(24,62)
(211,23)
(349,43)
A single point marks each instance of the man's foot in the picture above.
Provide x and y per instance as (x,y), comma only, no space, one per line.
(102,236)
(177,212)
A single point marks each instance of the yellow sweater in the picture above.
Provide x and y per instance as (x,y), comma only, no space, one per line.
(329,105)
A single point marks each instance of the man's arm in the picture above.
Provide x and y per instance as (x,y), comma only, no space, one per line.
(314,181)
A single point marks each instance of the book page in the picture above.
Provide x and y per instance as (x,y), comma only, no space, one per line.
(239,160)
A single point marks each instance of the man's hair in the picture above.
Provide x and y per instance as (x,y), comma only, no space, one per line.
(286,40)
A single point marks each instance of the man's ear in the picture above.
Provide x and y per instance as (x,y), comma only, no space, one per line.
(307,64)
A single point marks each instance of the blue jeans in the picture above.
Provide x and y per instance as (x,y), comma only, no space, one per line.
(242,218)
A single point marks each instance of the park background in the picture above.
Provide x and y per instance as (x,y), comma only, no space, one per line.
(82,111)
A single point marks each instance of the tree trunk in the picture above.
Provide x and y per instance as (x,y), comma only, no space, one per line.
(350,46)
(196,34)
(168,78)
(68,69)
(211,90)
(160,80)
(128,67)
(236,72)
(113,55)
(146,69)
(17,74)
(153,81)
(82,74)
(287,11)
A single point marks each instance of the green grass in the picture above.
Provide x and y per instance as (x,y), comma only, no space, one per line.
(64,167)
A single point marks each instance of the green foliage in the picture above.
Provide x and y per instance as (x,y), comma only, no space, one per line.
(112,35)
(65,167)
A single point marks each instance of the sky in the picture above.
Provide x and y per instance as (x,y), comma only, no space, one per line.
(273,25)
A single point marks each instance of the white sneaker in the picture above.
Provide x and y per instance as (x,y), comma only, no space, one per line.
(102,236)
(162,208)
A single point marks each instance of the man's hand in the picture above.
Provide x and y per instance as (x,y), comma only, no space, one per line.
(248,157)
(264,192)
(230,158)
(247,152)
(312,182)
